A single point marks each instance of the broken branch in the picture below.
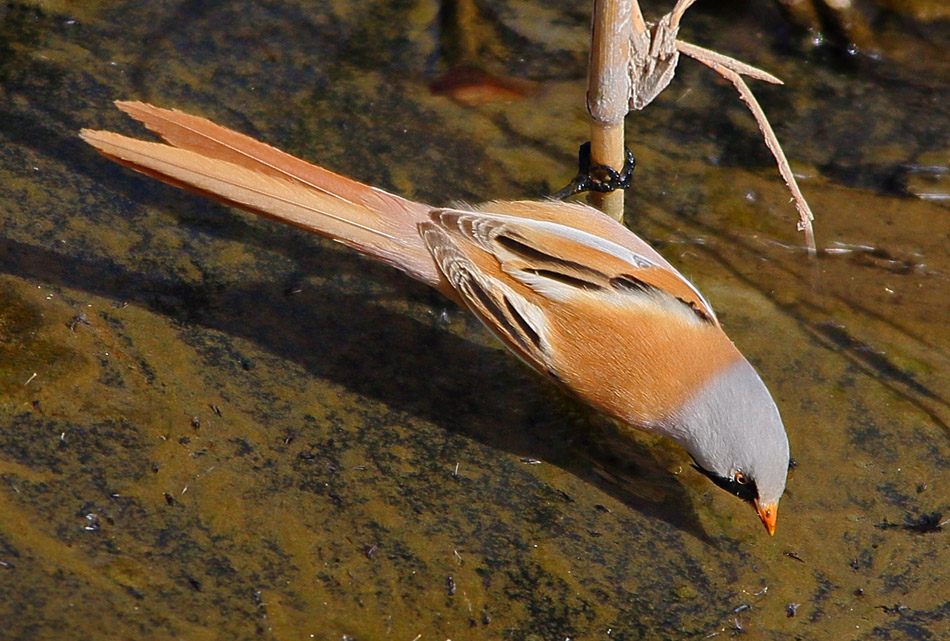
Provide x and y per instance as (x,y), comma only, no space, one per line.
(771,141)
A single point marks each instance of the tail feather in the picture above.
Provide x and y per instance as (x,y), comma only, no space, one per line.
(238,170)
(214,141)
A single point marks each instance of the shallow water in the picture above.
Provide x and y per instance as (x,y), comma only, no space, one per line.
(215,427)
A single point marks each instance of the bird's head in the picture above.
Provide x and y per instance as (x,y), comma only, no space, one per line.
(732,429)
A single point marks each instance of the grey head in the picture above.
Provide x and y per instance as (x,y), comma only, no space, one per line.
(733,430)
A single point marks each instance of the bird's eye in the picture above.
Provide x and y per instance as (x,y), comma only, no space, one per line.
(741,478)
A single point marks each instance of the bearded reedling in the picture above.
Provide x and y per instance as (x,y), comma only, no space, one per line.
(573,293)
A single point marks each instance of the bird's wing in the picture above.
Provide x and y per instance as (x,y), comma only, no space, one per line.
(561,263)
(490,295)
(534,283)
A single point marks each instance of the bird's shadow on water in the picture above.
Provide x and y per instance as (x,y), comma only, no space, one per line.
(349,338)
(574,443)
(370,350)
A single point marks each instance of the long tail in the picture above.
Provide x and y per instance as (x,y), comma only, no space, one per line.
(238,170)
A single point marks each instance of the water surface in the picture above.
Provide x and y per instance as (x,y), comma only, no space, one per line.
(216,427)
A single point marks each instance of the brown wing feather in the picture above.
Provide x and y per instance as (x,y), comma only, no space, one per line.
(557,260)
(578,216)
(663,356)
(491,295)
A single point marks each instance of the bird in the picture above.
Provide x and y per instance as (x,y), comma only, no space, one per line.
(571,292)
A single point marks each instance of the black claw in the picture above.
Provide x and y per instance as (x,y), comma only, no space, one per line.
(599,178)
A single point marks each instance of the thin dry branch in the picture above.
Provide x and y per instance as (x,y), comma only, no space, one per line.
(651,51)
(678,10)
(702,54)
(655,51)
(729,71)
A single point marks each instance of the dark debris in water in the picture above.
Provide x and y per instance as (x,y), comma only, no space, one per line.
(923,524)
(793,555)
(895,609)
(877,257)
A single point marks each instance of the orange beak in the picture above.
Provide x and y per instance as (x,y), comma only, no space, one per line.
(768,512)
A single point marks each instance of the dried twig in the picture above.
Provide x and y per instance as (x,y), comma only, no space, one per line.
(678,10)
(731,69)
(632,61)
(653,59)
(707,56)
(655,53)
